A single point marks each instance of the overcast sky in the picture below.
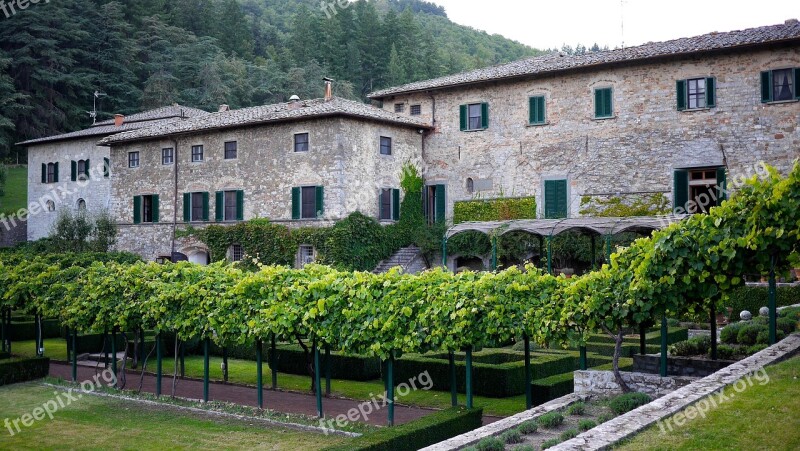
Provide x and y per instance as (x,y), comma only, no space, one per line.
(549,24)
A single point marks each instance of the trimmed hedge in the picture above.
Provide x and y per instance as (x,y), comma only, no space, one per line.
(292,360)
(15,370)
(93,343)
(23,331)
(753,298)
(628,349)
(652,337)
(417,434)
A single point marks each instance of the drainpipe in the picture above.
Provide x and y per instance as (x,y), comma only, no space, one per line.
(175,202)
(433,109)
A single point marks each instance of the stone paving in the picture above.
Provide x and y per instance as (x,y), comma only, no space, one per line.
(620,428)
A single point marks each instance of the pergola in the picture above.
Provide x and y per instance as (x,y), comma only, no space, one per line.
(546,229)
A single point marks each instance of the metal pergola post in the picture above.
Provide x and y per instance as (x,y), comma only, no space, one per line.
(390,387)
(453,383)
(39,341)
(608,249)
(74,356)
(550,254)
(259,374)
(773,307)
(159,363)
(528,391)
(206,352)
(594,252)
(317,381)
(114,354)
(582,360)
(494,253)
(273,363)
(444,252)
(469,377)
(3,329)
(713,324)
(663,362)
(327,370)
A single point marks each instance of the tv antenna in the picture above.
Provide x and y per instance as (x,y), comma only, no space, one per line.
(93,113)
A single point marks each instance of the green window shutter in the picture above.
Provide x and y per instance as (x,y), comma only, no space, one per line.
(205,206)
(219,207)
(44,173)
(74,173)
(766,86)
(532,112)
(137,209)
(796,81)
(537,115)
(464,117)
(563,202)
(484,115)
(296,203)
(106,167)
(396,204)
(187,207)
(441,203)
(240,205)
(680,191)
(608,104)
(598,103)
(155,209)
(542,110)
(680,92)
(320,201)
(555,199)
(88,168)
(711,92)
(722,185)
(55,177)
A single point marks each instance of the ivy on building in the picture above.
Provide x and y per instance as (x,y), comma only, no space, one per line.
(625,205)
(495,209)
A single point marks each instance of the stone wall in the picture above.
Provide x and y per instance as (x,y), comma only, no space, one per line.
(65,194)
(635,151)
(603,383)
(344,158)
(678,366)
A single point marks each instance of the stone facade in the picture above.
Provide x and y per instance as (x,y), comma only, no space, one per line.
(344,158)
(636,150)
(603,383)
(65,194)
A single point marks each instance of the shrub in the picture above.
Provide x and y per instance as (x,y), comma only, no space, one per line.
(729,333)
(585,425)
(793,313)
(568,434)
(550,443)
(525,448)
(605,417)
(787,325)
(13,371)
(763,336)
(749,334)
(693,346)
(724,352)
(755,349)
(511,437)
(490,444)
(577,409)
(418,434)
(627,402)
(551,420)
(528,427)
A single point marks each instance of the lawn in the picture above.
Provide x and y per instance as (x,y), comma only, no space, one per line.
(94,422)
(759,417)
(16,196)
(244,372)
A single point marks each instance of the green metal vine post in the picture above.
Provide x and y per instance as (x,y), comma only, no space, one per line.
(528,391)
(390,388)
(114,355)
(259,374)
(664,346)
(773,309)
(74,356)
(206,350)
(159,364)
(317,381)
(469,377)
(453,387)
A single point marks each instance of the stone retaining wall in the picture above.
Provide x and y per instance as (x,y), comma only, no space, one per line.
(679,366)
(603,383)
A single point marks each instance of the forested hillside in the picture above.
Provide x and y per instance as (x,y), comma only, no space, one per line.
(203,53)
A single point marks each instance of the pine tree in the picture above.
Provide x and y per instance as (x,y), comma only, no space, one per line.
(396,73)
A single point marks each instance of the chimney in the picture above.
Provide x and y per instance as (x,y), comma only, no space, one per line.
(328,89)
(223,108)
(294,102)
(118,120)
(791,22)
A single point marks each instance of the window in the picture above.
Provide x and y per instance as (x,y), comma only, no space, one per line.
(106,168)
(697,190)
(555,199)
(536,110)
(81,205)
(231,150)
(83,169)
(167,156)
(386,145)
(780,85)
(51,206)
(474,116)
(145,209)
(133,159)
(230,205)
(696,93)
(49,172)
(307,202)
(197,154)
(195,207)
(236,253)
(434,202)
(389,205)
(305,256)
(470,185)
(603,104)
(416,110)
(399,107)
(301,142)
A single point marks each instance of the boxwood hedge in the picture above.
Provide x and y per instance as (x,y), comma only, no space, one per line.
(16,370)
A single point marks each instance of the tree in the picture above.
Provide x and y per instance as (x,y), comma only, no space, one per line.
(396,75)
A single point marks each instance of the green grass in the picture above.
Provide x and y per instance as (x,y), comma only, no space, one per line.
(94,422)
(759,417)
(16,196)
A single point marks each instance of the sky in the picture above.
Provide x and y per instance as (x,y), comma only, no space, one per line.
(550,24)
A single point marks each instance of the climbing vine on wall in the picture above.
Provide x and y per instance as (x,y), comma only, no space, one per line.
(625,205)
(495,209)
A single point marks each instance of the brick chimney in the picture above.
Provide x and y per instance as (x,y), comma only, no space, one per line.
(328,89)
(119,119)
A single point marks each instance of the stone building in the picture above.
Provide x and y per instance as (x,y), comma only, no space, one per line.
(677,117)
(68,171)
(298,163)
